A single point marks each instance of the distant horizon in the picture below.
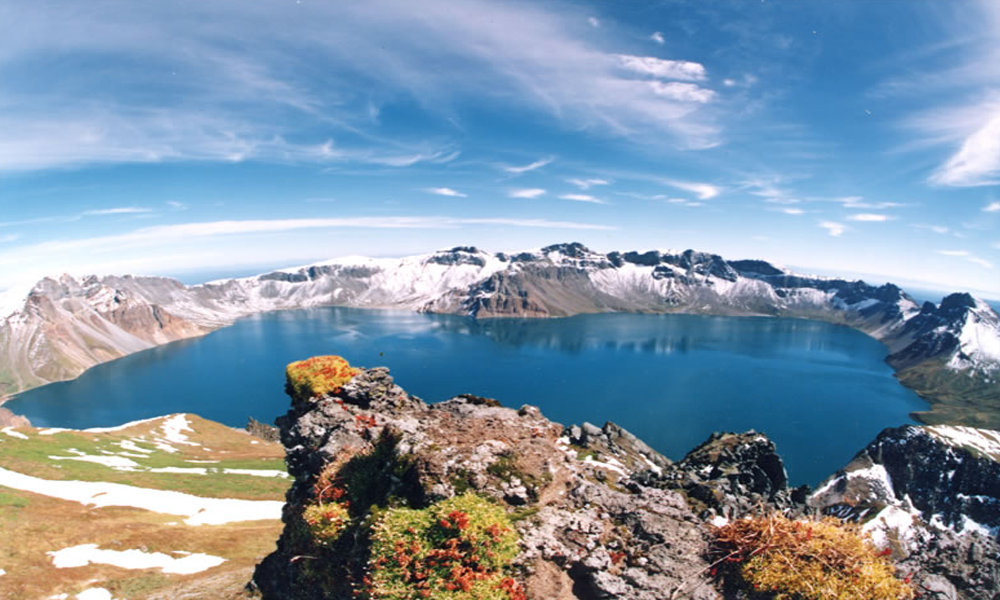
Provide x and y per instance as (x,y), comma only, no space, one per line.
(921,290)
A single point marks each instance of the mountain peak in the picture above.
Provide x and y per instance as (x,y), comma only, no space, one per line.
(958,300)
(570,249)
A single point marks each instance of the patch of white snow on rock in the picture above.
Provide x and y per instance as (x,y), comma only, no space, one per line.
(984,441)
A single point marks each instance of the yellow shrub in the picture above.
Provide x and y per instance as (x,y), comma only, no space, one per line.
(318,375)
(814,560)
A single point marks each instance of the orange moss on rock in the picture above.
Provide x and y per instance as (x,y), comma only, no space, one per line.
(318,375)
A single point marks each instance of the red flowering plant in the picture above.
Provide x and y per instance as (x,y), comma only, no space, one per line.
(457,549)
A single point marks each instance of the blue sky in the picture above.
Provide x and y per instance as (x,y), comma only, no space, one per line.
(182,138)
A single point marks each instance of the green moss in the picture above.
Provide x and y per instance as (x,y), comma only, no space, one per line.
(326,521)
(461,482)
(506,469)
(523,514)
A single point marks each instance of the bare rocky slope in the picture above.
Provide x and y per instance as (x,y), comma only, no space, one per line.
(600,514)
(949,353)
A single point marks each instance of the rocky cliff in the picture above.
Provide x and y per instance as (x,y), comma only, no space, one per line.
(949,353)
(67,325)
(597,513)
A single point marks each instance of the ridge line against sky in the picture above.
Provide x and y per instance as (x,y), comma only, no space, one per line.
(167,138)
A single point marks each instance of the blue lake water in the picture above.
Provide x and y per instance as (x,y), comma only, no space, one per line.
(820,391)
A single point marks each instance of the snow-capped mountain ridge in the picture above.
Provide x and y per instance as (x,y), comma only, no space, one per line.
(130,313)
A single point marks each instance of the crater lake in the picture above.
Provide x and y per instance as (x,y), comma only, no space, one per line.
(820,391)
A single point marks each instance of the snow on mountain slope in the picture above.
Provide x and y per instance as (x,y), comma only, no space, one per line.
(978,340)
(67,325)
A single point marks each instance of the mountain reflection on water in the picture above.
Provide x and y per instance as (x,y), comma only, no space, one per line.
(820,391)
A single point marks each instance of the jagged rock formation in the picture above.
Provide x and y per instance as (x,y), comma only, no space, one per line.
(932,494)
(602,515)
(949,352)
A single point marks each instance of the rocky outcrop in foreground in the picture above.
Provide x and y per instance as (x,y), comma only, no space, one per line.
(598,513)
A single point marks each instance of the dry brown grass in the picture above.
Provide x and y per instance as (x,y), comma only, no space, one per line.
(814,560)
(32,525)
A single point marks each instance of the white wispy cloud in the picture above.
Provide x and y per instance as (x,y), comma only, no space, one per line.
(793,211)
(961,84)
(860,202)
(582,198)
(594,21)
(212,242)
(160,234)
(10,237)
(977,160)
(444,191)
(586,184)
(526,193)
(992,207)
(682,92)
(704,191)
(833,228)
(193,97)
(770,189)
(538,164)
(121,210)
(657,37)
(968,256)
(868,217)
(683,70)
(939,229)
(174,204)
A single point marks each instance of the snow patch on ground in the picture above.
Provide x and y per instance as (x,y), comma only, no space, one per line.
(120,427)
(984,441)
(132,447)
(181,470)
(894,522)
(91,594)
(256,472)
(85,554)
(172,428)
(52,430)
(876,475)
(197,510)
(612,464)
(12,433)
(115,462)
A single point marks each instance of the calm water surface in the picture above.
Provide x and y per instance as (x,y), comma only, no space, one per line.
(820,391)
